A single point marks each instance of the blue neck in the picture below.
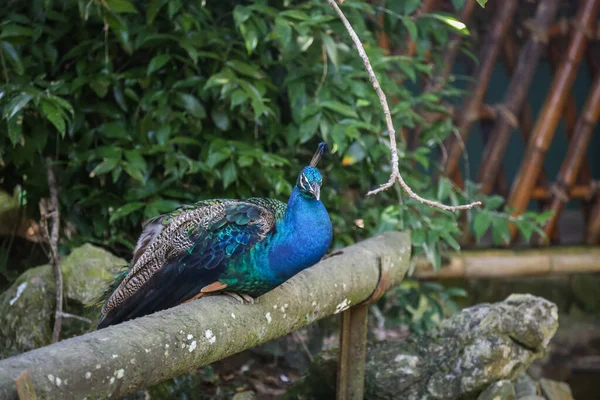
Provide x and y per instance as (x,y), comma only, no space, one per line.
(302,238)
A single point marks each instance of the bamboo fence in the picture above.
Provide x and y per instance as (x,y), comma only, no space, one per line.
(566,44)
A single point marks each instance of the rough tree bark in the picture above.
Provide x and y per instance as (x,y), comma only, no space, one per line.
(121,359)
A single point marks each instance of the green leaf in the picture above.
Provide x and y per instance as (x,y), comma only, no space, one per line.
(125,210)
(340,108)
(121,6)
(191,104)
(245,69)
(411,28)
(152,10)
(481,223)
(500,232)
(104,167)
(13,57)
(229,174)
(220,118)
(241,15)
(16,105)
(15,128)
(157,63)
(330,48)
(482,2)
(493,202)
(53,114)
(14,30)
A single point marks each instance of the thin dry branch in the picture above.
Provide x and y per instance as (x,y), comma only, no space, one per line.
(395,175)
(49,209)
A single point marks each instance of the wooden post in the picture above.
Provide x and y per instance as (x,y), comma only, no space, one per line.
(550,114)
(353,353)
(487,60)
(516,94)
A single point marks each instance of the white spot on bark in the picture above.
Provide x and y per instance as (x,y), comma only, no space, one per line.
(314,303)
(147,350)
(20,289)
(166,345)
(192,346)
(98,366)
(233,315)
(132,361)
(120,373)
(190,336)
(115,356)
(268,317)
(275,307)
(51,378)
(344,286)
(112,380)
(210,336)
(182,345)
(88,375)
(344,305)
(58,381)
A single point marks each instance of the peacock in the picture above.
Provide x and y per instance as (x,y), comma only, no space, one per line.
(242,248)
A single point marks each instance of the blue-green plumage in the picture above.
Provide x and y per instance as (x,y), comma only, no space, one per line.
(241,246)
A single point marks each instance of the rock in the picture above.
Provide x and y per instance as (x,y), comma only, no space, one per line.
(473,349)
(27,307)
(501,390)
(525,386)
(555,390)
(249,395)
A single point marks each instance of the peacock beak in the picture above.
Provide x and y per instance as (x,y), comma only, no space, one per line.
(315,189)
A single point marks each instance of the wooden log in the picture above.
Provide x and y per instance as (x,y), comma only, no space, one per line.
(513,263)
(550,113)
(574,161)
(490,49)
(516,94)
(121,359)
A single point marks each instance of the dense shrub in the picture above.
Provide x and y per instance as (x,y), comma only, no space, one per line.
(145,105)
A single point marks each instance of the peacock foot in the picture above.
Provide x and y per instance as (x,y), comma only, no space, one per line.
(241,298)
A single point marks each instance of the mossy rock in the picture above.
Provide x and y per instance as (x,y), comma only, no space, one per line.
(27,307)
(470,351)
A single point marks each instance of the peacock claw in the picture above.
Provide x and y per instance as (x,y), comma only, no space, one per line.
(241,298)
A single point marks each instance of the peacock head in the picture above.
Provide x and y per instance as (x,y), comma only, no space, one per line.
(310,179)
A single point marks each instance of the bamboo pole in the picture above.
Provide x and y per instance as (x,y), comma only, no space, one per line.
(512,263)
(593,233)
(516,94)
(584,192)
(118,360)
(574,160)
(564,27)
(487,60)
(550,113)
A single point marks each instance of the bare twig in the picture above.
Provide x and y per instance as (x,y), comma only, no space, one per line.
(395,175)
(77,317)
(50,210)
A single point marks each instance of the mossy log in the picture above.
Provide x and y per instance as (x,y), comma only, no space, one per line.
(121,359)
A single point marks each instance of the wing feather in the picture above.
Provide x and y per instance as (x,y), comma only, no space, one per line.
(187,254)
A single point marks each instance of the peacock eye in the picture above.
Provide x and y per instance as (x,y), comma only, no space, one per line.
(303,182)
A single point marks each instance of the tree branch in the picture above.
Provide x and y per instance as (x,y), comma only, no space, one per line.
(50,210)
(395,175)
(121,359)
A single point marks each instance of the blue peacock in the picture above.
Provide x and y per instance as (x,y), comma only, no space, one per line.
(243,248)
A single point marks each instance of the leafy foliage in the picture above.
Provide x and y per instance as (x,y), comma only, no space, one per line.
(148,105)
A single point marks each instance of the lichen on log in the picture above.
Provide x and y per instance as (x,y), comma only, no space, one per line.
(121,359)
